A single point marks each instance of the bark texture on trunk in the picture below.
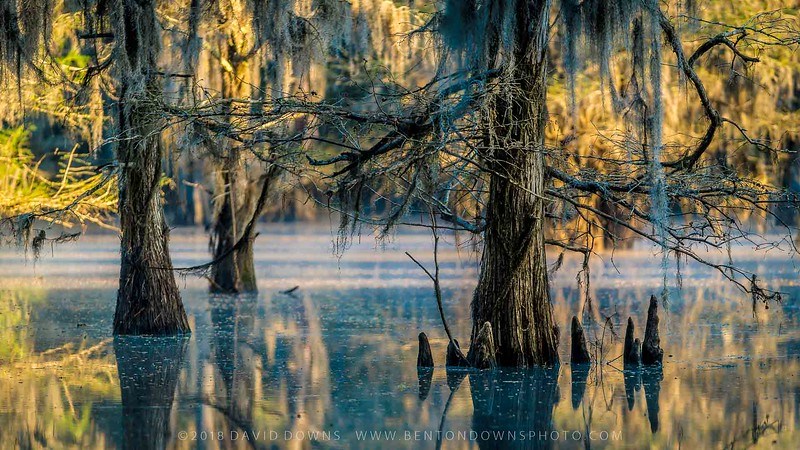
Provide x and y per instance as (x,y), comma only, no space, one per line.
(225,275)
(482,353)
(651,347)
(148,300)
(239,205)
(235,273)
(513,293)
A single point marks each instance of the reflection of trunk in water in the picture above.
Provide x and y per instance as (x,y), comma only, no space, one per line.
(454,378)
(232,317)
(299,373)
(425,376)
(580,373)
(651,381)
(633,383)
(649,378)
(148,369)
(514,401)
(313,363)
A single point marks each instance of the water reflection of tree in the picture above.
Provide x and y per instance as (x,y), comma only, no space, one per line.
(232,318)
(148,369)
(518,402)
(374,361)
(301,372)
(48,396)
(344,359)
(267,370)
(359,384)
(719,361)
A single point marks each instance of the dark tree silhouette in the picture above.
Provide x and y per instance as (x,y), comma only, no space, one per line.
(148,369)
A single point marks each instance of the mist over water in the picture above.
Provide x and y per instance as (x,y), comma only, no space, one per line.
(333,365)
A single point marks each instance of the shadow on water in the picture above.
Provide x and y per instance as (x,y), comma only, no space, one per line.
(514,408)
(650,379)
(148,369)
(233,317)
(425,377)
(339,359)
(580,373)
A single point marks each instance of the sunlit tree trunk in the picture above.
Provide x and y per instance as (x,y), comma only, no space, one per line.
(513,293)
(235,273)
(148,301)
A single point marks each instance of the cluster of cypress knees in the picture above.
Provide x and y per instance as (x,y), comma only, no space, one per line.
(635,352)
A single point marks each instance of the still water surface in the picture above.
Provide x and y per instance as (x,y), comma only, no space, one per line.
(333,364)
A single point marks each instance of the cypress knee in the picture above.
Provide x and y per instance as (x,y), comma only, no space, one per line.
(424,357)
(651,348)
(580,354)
(482,355)
(636,351)
(455,358)
(631,354)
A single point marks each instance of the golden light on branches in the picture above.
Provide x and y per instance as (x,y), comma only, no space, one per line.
(79,194)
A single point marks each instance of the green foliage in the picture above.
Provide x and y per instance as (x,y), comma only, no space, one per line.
(15,311)
(78,193)
(20,178)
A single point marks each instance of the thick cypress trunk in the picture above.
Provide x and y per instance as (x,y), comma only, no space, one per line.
(148,301)
(236,272)
(513,293)
(247,266)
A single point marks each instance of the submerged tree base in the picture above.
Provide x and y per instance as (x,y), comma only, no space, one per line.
(149,303)
(149,369)
(579,353)
(482,352)
(652,353)
(425,356)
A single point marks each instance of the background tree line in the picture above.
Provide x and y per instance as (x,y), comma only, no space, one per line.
(525,124)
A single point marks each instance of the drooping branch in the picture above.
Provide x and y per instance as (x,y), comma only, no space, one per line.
(715,120)
(437,286)
(247,235)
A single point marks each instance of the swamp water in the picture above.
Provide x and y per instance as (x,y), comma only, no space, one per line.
(332,365)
